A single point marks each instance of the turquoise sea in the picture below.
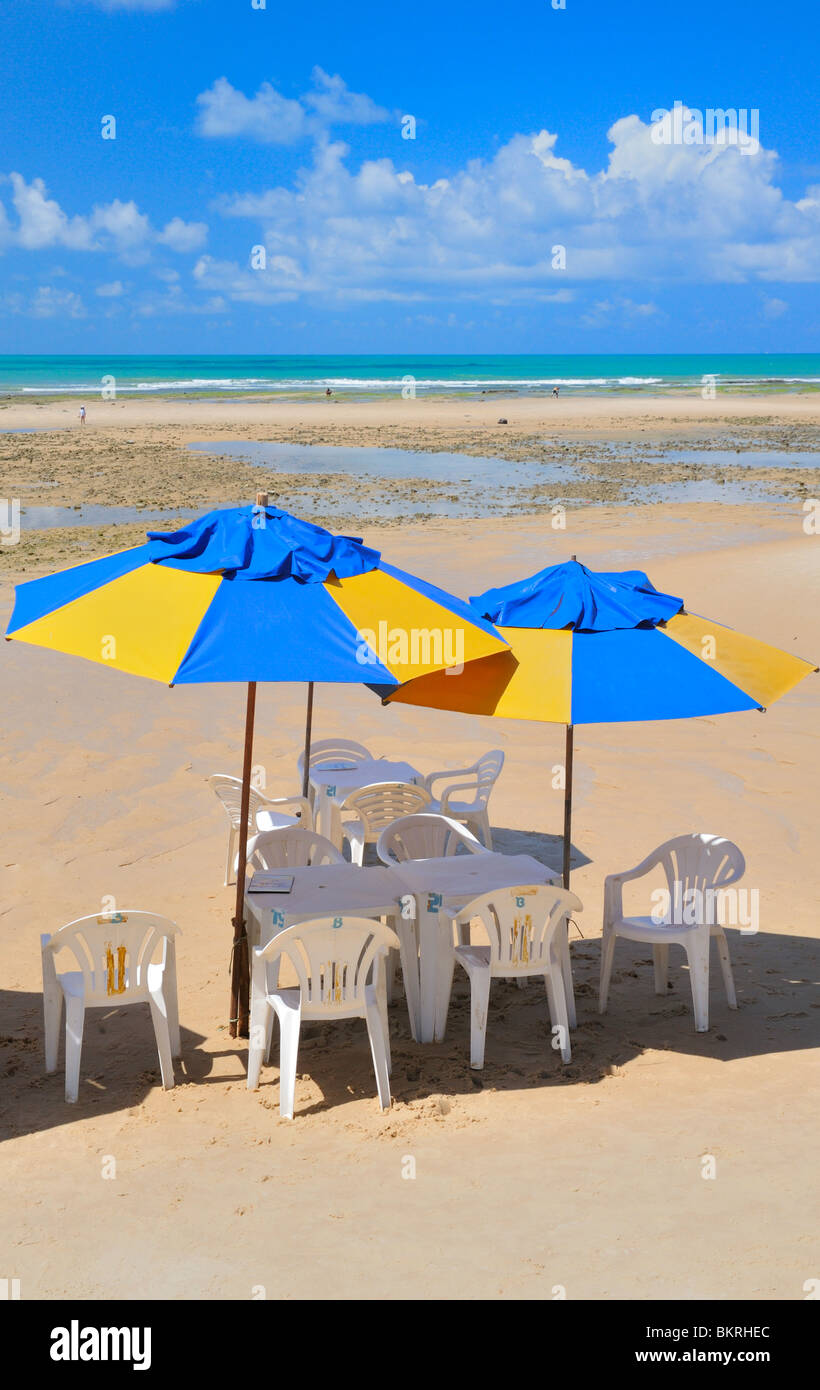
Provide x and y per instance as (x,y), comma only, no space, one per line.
(574,374)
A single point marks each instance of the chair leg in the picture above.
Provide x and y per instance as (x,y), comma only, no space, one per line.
(660,956)
(169,990)
(479,1006)
(268,1034)
(607,955)
(74,1021)
(378,1049)
(260,1031)
(159,1018)
(230,856)
(697,954)
(52,1018)
(482,826)
(726,968)
(390,966)
(380,990)
(569,983)
(290,1020)
(557,1004)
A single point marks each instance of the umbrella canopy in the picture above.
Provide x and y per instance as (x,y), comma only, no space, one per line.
(251,594)
(587,647)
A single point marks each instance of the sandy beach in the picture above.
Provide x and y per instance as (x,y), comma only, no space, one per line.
(532,1180)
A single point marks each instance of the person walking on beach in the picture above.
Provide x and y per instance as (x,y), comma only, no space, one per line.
(555,391)
(82,414)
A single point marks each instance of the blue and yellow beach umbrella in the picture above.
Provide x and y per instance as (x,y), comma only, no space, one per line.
(251,594)
(598,648)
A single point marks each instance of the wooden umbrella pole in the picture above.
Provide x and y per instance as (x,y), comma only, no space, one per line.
(240,978)
(568,803)
(308,732)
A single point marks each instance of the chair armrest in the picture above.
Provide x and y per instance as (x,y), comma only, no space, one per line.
(296,800)
(613,887)
(473,845)
(457,787)
(460,835)
(448,772)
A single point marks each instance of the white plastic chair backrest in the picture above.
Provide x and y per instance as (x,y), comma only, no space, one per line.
(699,861)
(520,923)
(426,835)
(488,769)
(334,750)
(113,951)
(229,791)
(332,957)
(380,803)
(291,848)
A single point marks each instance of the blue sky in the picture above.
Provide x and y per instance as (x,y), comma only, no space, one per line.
(241,127)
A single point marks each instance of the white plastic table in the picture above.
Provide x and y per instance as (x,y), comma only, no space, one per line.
(332,784)
(331,890)
(456,879)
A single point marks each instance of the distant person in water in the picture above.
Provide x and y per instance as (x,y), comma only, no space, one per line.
(328,391)
(555,391)
(82,414)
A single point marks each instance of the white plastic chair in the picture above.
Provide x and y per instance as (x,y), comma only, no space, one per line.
(338,964)
(114,954)
(526,927)
(291,847)
(328,751)
(264,813)
(479,779)
(426,835)
(697,868)
(367,811)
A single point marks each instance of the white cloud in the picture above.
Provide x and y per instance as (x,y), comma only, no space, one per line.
(110,291)
(335,105)
(655,214)
(116,227)
(268,117)
(774,308)
(45,303)
(183,236)
(41,221)
(273,119)
(50,303)
(124,224)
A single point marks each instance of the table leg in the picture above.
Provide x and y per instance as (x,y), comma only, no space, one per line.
(445,965)
(566,971)
(428,963)
(409,951)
